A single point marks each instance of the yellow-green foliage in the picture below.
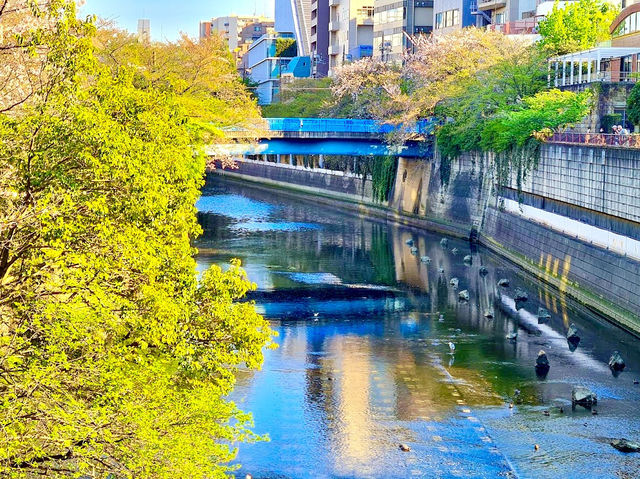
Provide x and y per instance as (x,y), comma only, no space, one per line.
(577,26)
(114,358)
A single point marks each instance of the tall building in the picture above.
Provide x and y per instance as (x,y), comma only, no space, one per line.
(395,21)
(144,30)
(350,31)
(237,31)
(320,37)
(294,16)
(450,15)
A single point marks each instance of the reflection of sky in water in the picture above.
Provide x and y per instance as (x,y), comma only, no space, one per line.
(234,206)
(313,278)
(257,226)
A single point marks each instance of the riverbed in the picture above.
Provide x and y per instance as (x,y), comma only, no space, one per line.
(376,350)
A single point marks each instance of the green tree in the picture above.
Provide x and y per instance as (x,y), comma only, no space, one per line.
(302,97)
(577,26)
(114,358)
(633,105)
(286,47)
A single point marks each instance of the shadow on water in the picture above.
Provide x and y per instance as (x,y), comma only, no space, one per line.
(364,362)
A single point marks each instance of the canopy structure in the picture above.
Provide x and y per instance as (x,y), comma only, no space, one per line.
(596,64)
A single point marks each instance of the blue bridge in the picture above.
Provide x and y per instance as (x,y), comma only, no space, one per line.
(333,136)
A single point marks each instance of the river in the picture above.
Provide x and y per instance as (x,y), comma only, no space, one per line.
(364,362)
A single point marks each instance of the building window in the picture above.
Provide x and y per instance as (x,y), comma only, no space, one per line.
(499,18)
(630,24)
(449,18)
(423,3)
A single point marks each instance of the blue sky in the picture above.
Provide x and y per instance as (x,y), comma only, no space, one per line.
(170,17)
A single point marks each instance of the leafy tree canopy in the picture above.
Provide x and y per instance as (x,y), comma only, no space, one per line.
(633,105)
(577,26)
(304,97)
(114,358)
(286,47)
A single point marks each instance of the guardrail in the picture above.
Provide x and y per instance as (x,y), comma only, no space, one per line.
(597,139)
(345,125)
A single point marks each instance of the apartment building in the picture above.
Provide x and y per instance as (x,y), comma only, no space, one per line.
(450,15)
(237,31)
(294,17)
(350,31)
(507,16)
(395,21)
(320,38)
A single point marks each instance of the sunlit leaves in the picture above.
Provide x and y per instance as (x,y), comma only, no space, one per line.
(114,358)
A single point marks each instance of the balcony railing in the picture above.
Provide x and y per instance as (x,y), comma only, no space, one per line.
(586,79)
(517,27)
(597,139)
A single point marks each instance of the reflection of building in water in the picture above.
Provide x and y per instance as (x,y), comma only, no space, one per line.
(355,434)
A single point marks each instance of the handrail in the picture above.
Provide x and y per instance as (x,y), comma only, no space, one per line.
(597,139)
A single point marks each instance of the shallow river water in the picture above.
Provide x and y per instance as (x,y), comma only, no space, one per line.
(364,362)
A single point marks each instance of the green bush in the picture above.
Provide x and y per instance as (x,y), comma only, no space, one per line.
(286,47)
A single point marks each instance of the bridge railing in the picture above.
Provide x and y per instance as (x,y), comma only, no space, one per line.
(345,125)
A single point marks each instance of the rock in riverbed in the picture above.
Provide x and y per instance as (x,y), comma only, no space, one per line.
(504,282)
(454,251)
(404,448)
(543,315)
(483,271)
(425,259)
(542,363)
(572,337)
(414,250)
(520,295)
(454,282)
(468,259)
(616,363)
(624,445)
(581,396)
(409,242)
(463,295)
(444,242)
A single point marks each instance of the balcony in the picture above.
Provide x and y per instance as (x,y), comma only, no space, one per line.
(491,4)
(334,25)
(518,27)
(334,49)
(333,3)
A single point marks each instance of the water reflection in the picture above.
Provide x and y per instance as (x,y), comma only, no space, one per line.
(364,362)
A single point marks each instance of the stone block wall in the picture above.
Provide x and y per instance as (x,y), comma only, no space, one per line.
(594,270)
